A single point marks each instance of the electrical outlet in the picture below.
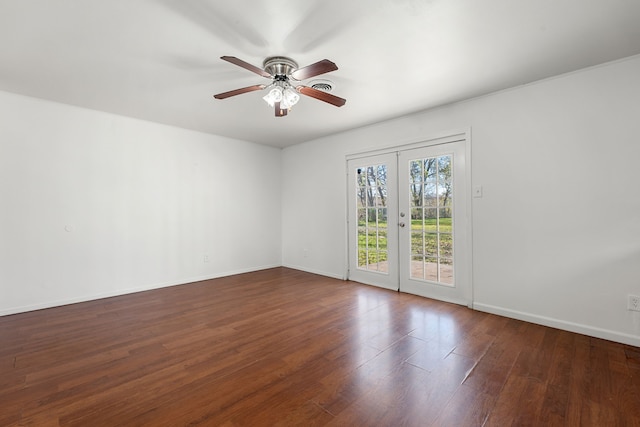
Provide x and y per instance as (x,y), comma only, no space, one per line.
(634,303)
(205,258)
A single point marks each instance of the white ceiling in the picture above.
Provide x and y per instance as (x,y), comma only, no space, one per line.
(158,60)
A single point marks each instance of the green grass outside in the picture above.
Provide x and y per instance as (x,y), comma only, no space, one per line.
(379,253)
(416,224)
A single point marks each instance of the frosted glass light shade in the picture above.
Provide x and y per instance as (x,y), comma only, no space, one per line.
(289,98)
(274,95)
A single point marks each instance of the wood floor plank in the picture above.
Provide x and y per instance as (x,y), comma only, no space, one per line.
(406,395)
(467,407)
(285,347)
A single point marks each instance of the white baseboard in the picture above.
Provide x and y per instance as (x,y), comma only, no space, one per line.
(318,272)
(125,291)
(591,331)
(606,334)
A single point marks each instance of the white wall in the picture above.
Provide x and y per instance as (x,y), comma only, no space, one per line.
(556,237)
(143,203)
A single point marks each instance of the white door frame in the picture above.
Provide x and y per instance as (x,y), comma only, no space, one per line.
(420,143)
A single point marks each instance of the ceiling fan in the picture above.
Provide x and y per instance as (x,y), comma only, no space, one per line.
(282,93)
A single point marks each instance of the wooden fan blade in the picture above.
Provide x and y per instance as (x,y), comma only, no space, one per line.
(279,111)
(322,96)
(235,92)
(313,70)
(246,66)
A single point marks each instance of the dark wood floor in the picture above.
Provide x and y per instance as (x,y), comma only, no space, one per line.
(283,347)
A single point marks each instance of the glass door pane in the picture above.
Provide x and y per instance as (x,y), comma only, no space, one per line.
(431,195)
(372,193)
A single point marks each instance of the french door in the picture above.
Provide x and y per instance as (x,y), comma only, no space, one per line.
(373,211)
(409,220)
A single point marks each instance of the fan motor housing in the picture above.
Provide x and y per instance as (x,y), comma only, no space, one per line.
(279,66)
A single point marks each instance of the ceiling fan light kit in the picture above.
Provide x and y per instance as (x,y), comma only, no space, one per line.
(282,94)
